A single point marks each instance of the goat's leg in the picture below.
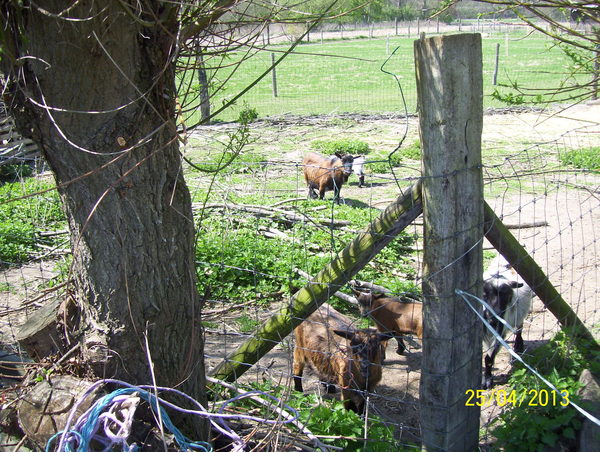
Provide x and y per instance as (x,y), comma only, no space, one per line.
(401,347)
(329,388)
(298,370)
(336,194)
(519,345)
(488,379)
(350,404)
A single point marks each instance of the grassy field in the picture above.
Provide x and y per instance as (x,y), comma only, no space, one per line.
(345,76)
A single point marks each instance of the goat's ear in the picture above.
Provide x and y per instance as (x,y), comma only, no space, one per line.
(344,333)
(355,292)
(338,155)
(516,284)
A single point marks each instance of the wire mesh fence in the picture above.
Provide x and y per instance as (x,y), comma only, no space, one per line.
(360,69)
(260,238)
(550,206)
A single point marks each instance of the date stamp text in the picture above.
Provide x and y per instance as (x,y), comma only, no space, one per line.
(529,398)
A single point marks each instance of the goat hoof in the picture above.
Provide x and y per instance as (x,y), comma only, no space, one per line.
(488,383)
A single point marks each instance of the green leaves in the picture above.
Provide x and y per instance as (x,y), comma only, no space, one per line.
(26,208)
(344,146)
(238,259)
(540,417)
(585,158)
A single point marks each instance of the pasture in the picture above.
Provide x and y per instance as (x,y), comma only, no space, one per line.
(346,76)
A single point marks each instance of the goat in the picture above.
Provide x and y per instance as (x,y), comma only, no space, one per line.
(393,314)
(358,169)
(324,174)
(351,358)
(510,298)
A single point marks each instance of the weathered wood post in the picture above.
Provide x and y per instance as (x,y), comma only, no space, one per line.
(496,66)
(450,105)
(273,75)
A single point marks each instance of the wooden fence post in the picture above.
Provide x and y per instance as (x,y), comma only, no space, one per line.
(273,75)
(450,105)
(496,66)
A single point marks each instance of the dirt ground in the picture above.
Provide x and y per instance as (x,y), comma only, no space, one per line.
(570,219)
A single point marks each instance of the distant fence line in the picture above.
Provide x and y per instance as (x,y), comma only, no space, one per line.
(354,83)
(277,33)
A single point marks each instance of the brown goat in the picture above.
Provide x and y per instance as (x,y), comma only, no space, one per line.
(393,314)
(350,358)
(325,174)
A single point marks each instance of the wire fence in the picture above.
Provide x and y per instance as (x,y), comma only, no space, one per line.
(342,70)
(260,239)
(551,208)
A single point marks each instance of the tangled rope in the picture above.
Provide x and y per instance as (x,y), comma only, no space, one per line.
(108,421)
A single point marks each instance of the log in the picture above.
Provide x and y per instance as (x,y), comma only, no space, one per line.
(43,412)
(338,272)
(369,285)
(39,335)
(342,296)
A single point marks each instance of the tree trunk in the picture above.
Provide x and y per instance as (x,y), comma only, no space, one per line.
(97,93)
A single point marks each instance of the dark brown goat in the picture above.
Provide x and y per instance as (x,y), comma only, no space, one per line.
(350,358)
(393,314)
(325,174)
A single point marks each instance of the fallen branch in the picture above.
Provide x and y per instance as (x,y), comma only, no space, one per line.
(284,414)
(280,215)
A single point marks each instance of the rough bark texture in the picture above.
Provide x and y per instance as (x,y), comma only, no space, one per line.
(109,138)
(450,93)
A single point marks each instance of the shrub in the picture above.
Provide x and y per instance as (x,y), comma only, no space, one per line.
(344,146)
(25,208)
(538,425)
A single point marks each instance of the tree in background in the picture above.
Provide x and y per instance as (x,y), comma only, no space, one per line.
(575,28)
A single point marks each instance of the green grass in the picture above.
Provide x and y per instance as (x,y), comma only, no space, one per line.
(26,208)
(238,261)
(345,76)
(584,159)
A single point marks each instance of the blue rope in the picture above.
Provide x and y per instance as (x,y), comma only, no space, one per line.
(89,428)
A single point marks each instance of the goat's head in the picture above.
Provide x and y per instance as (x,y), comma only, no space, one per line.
(498,294)
(365,301)
(347,161)
(364,348)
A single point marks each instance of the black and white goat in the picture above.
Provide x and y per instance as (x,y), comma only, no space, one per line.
(510,298)
(358,168)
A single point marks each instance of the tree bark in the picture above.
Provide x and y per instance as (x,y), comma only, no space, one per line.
(97,91)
